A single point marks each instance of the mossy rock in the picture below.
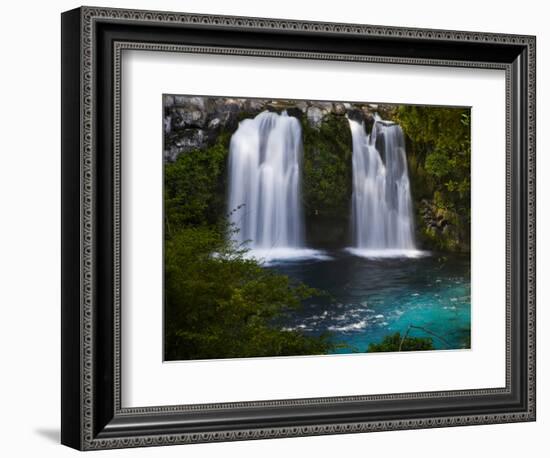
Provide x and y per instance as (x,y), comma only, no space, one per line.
(327,182)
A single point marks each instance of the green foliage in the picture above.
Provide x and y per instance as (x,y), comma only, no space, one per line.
(439,153)
(393,341)
(194,186)
(219,304)
(441,140)
(327,167)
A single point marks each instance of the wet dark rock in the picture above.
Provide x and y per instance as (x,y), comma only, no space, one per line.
(186,140)
(254,105)
(184,118)
(214,124)
(339,109)
(436,230)
(295,112)
(167,124)
(302,106)
(355,114)
(315,117)
(326,107)
(368,119)
(168,101)
(380,144)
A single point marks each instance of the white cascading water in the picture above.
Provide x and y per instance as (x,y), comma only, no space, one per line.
(264,186)
(382,218)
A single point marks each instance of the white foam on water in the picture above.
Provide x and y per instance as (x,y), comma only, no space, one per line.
(274,255)
(349,327)
(387,253)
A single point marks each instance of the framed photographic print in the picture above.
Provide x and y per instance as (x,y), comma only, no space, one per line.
(278,228)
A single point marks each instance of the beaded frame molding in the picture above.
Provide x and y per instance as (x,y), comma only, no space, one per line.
(93,40)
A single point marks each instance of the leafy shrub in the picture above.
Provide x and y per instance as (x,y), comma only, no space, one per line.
(327,167)
(394,341)
(219,304)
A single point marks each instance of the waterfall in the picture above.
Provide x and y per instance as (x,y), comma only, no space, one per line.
(382,218)
(264,183)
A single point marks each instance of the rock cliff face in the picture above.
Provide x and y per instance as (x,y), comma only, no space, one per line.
(441,229)
(192,122)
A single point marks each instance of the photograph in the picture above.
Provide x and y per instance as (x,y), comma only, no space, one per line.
(279,222)
(307,227)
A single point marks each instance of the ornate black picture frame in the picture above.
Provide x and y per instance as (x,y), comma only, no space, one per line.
(92,42)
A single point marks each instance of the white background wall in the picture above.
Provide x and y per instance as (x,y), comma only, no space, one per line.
(30,229)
